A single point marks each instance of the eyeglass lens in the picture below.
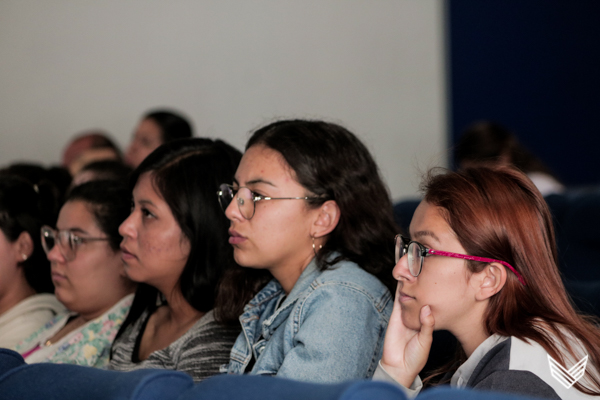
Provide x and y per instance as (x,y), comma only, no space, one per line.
(414,259)
(244,199)
(225,196)
(399,248)
(64,241)
(414,252)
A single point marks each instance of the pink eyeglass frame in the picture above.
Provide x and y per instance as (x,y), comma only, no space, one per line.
(470,258)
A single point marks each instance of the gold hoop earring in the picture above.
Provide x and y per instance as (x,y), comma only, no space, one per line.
(315,247)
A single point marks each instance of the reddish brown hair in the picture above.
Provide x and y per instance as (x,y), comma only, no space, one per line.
(498,213)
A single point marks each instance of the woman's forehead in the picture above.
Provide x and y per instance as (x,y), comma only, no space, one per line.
(261,164)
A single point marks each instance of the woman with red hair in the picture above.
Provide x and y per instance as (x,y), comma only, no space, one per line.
(481,263)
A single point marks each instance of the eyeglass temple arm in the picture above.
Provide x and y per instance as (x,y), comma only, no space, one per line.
(482,259)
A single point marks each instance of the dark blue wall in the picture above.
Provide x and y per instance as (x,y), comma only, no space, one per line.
(534,66)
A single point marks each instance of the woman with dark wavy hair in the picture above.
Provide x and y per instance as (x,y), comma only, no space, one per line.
(175,246)
(481,263)
(307,205)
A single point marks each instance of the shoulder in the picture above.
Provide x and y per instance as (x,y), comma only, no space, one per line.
(518,382)
(44,303)
(348,276)
(202,349)
(206,334)
(522,367)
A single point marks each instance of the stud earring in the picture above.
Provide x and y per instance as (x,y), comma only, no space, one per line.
(24,256)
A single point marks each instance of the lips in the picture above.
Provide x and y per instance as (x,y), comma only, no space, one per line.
(57,277)
(235,238)
(126,255)
(403,297)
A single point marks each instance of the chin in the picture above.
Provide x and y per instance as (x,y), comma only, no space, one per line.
(238,256)
(410,319)
(64,300)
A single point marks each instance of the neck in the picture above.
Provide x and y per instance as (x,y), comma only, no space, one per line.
(179,311)
(471,335)
(288,274)
(471,344)
(16,292)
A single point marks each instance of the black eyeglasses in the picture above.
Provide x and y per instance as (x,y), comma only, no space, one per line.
(246,199)
(67,241)
(417,253)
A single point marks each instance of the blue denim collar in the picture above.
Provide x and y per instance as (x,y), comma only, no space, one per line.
(280,315)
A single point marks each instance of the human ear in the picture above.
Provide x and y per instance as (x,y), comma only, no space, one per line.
(23,247)
(490,281)
(327,219)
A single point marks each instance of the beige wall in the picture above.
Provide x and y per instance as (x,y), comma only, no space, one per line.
(376,66)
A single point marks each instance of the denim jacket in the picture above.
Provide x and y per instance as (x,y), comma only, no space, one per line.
(329,329)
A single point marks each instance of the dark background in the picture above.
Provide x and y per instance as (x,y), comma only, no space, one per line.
(533,66)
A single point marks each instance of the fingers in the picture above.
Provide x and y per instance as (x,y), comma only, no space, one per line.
(427,325)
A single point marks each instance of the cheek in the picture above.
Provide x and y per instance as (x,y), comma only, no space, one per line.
(163,247)
(284,230)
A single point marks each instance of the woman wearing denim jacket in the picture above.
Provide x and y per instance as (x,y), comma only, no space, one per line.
(308,206)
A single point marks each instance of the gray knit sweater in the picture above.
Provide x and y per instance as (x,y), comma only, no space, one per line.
(200,352)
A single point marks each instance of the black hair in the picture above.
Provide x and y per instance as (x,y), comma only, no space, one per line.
(109,170)
(20,212)
(110,203)
(489,142)
(172,125)
(333,164)
(187,173)
(51,184)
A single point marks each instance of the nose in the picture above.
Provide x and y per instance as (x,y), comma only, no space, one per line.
(127,228)
(130,154)
(401,271)
(232,212)
(55,255)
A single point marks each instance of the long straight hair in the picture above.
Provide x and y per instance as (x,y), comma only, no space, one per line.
(498,213)
(186,173)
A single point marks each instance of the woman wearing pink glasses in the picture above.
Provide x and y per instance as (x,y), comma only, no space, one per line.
(481,263)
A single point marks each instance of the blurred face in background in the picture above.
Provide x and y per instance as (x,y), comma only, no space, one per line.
(147,137)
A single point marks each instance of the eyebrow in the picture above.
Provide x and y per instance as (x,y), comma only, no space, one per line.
(73,230)
(255,182)
(146,202)
(421,234)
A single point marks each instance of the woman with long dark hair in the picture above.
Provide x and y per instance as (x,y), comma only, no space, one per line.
(307,206)
(27,301)
(175,246)
(481,263)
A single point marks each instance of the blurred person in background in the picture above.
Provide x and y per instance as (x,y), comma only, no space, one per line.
(487,143)
(155,128)
(88,147)
(102,170)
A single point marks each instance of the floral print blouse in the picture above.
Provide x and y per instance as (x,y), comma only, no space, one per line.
(88,345)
